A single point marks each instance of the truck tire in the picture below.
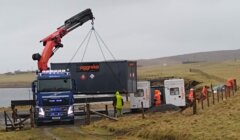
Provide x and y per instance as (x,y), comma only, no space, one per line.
(38,124)
(36,56)
(71,122)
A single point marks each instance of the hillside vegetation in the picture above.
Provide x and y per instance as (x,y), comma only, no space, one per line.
(220,121)
(222,70)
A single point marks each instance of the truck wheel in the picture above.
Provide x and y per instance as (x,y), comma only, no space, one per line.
(38,123)
(71,122)
(36,56)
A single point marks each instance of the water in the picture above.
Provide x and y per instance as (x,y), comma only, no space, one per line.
(8,94)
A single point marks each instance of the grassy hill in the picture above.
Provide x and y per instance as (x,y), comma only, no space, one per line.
(220,121)
(213,56)
(224,64)
(222,70)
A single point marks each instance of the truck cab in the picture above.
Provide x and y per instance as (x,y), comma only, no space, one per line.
(53,94)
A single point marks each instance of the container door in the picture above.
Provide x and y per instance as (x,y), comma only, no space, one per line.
(132,77)
(175,92)
(136,99)
(175,96)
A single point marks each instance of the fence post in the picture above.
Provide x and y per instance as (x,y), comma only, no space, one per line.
(222,94)
(229,92)
(225,92)
(142,110)
(208,99)
(87,120)
(212,94)
(114,111)
(106,109)
(32,117)
(194,103)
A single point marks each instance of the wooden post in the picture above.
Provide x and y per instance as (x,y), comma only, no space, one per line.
(5,118)
(225,92)
(103,115)
(126,96)
(9,126)
(106,109)
(194,103)
(229,92)
(14,115)
(142,110)
(87,120)
(235,85)
(222,94)
(212,95)
(218,96)
(208,104)
(114,112)
(32,118)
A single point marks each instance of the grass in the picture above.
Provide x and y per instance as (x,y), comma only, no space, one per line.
(224,70)
(220,121)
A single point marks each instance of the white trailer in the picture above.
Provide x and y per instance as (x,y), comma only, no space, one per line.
(143,94)
(175,92)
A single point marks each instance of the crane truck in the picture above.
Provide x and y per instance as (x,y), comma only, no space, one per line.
(53,90)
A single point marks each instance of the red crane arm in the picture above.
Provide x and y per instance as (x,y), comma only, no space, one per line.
(52,42)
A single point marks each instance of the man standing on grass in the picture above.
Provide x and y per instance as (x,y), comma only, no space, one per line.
(118,103)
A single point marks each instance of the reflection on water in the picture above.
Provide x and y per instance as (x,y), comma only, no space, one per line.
(8,94)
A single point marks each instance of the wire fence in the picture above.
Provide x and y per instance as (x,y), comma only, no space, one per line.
(212,97)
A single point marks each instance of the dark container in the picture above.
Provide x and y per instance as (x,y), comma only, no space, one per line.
(104,77)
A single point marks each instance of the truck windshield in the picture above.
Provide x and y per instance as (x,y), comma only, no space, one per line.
(54,85)
(55,102)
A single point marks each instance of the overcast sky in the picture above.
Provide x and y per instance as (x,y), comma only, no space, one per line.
(132,29)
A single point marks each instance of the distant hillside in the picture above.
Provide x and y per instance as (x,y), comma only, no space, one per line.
(213,56)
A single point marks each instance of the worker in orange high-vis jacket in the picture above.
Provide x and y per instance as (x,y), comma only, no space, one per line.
(230,83)
(204,92)
(157,97)
(190,95)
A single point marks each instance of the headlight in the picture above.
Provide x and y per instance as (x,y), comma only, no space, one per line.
(70,110)
(41,112)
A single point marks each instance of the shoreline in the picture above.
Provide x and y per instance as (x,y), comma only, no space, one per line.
(15,85)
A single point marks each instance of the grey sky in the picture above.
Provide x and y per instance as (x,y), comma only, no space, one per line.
(132,29)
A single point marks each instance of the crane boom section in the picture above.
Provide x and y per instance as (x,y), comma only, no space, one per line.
(52,42)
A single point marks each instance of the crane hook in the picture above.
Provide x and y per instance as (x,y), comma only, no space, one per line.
(92,23)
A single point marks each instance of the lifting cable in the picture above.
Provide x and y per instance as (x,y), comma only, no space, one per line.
(85,50)
(87,36)
(99,41)
(114,75)
(98,36)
